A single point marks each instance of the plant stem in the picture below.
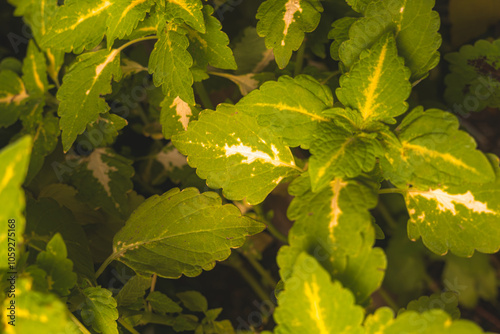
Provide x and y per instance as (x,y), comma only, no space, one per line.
(324,81)
(236,263)
(388,299)
(299,61)
(78,324)
(202,93)
(120,49)
(266,276)
(105,264)
(387,215)
(127,326)
(392,191)
(277,234)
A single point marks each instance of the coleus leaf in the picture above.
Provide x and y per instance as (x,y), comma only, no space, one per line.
(211,47)
(283,24)
(432,152)
(162,304)
(340,34)
(378,84)
(104,179)
(436,301)
(35,71)
(124,16)
(290,106)
(234,153)
(13,96)
(305,305)
(414,24)
(134,290)
(37,13)
(99,310)
(176,115)
(80,93)
(181,233)
(14,161)
(474,81)
(190,11)
(436,321)
(460,218)
(358,5)
(58,267)
(193,301)
(77,25)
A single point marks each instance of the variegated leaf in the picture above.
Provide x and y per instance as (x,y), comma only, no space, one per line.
(234,153)
(190,11)
(124,16)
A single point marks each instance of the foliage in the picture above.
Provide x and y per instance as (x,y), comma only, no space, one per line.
(112,141)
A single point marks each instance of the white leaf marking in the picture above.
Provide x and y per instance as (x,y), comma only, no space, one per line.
(251,155)
(182,110)
(171,159)
(335,212)
(100,170)
(292,6)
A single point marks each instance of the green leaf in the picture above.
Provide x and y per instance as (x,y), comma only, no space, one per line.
(211,47)
(175,116)
(170,64)
(246,82)
(13,95)
(414,24)
(35,71)
(77,25)
(46,218)
(291,107)
(181,233)
(432,152)
(104,179)
(124,16)
(340,150)
(133,291)
(251,53)
(306,305)
(283,24)
(37,312)
(358,5)
(162,304)
(377,85)
(86,81)
(246,161)
(340,34)
(104,130)
(447,301)
(193,301)
(99,310)
(14,161)
(460,218)
(430,322)
(474,83)
(474,278)
(190,11)
(59,269)
(36,13)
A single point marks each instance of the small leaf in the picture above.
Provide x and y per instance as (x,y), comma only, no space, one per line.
(59,269)
(306,306)
(190,11)
(283,24)
(99,310)
(13,96)
(162,304)
(447,301)
(86,81)
(175,116)
(35,71)
(124,16)
(14,161)
(193,301)
(246,161)
(251,53)
(133,291)
(181,233)
(340,34)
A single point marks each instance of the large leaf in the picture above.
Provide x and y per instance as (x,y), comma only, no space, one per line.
(430,322)
(181,233)
(14,161)
(459,218)
(104,179)
(234,153)
(378,84)
(291,106)
(76,25)
(432,152)
(99,310)
(414,24)
(124,16)
(36,13)
(81,93)
(283,24)
(312,303)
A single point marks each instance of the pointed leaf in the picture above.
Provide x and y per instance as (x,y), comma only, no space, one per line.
(378,84)
(306,305)
(414,24)
(35,71)
(291,106)
(190,11)
(193,301)
(162,304)
(283,24)
(133,291)
(175,116)
(104,179)
(37,14)
(14,161)
(181,233)
(460,218)
(13,96)
(124,16)
(99,310)
(76,25)
(80,94)
(234,153)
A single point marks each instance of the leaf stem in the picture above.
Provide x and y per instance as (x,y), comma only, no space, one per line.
(127,326)
(392,191)
(202,93)
(147,38)
(106,263)
(270,226)
(388,299)
(299,60)
(382,209)
(78,324)
(266,276)
(335,73)
(236,263)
